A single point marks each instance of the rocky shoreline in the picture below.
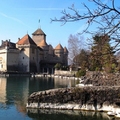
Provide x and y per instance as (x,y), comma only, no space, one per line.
(94,98)
(97,91)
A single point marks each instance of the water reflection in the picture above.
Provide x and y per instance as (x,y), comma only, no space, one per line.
(66,115)
(40,84)
(17,89)
(2,90)
(60,83)
(14,92)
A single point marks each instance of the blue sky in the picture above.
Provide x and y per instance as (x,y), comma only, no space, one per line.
(19,17)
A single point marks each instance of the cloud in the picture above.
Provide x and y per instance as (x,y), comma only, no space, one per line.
(49,9)
(13,18)
(43,9)
(81,28)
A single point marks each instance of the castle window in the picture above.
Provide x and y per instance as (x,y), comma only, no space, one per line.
(23,57)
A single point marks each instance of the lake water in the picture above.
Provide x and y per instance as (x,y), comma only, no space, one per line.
(14,92)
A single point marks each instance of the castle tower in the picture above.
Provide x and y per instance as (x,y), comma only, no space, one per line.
(42,44)
(38,36)
(59,52)
(28,57)
(65,56)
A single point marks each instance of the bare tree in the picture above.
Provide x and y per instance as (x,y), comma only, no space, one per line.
(74,47)
(106,16)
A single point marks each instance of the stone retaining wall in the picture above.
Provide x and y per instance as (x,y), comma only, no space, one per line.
(80,98)
(64,73)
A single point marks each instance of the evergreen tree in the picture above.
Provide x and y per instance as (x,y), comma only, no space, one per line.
(102,57)
(82,59)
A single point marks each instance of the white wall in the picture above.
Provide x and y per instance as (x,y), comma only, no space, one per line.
(3,59)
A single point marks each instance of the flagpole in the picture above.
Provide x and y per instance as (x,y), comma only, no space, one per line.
(39,24)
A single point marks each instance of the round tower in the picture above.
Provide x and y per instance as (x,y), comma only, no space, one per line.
(45,48)
(59,52)
(65,56)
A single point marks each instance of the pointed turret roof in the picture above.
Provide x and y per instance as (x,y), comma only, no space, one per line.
(65,50)
(42,43)
(50,46)
(26,40)
(38,32)
(59,47)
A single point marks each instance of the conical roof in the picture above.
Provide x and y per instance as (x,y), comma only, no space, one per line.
(42,43)
(38,32)
(26,40)
(50,46)
(59,47)
(65,50)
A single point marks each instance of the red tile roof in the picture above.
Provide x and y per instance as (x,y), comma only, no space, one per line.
(26,40)
(59,47)
(65,50)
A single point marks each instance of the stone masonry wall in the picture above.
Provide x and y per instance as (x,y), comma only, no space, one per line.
(64,73)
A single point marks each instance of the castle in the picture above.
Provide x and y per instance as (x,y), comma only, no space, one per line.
(31,54)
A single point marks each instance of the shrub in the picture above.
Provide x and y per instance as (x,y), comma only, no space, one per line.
(58,66)
(80,73)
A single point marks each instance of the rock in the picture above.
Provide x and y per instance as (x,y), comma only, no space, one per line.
(98,78)
(87,98)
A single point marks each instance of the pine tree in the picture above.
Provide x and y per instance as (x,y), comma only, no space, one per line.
(102,57)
